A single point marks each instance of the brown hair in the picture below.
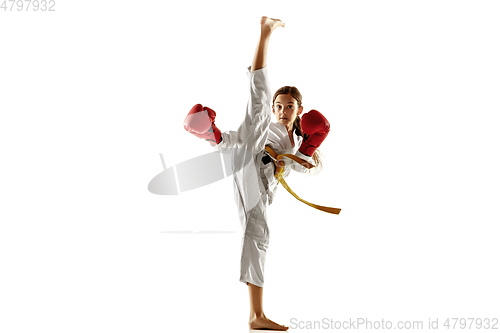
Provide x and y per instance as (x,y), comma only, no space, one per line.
(295,93)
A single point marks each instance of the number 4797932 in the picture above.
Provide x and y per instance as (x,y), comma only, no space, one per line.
(28,5)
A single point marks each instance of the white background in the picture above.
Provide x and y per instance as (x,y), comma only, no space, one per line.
(91,94)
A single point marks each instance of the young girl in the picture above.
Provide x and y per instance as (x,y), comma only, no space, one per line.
(254,181)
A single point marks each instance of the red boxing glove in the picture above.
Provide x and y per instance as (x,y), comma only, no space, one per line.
(315,125)
(200,122)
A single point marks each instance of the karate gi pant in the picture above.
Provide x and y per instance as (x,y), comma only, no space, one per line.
(250,191)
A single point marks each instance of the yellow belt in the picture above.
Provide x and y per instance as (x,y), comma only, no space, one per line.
(280,168)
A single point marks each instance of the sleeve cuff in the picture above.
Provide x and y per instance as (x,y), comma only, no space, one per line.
(304,157)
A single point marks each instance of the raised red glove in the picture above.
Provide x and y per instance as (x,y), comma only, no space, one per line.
(200,122)
(315,125)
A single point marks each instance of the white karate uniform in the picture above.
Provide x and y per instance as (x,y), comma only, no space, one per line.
(254,181)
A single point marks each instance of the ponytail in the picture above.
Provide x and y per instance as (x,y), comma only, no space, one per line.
(296,127)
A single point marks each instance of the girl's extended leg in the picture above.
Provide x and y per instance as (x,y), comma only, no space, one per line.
(267,26)
(257,318)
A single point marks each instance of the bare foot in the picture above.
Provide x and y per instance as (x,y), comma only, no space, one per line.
(262,323)
(268,24)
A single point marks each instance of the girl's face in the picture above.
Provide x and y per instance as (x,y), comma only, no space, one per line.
(286,109)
